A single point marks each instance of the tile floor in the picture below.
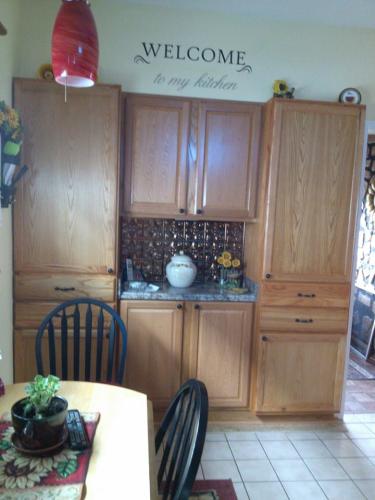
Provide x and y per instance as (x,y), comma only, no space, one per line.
(314,460)
(360,396)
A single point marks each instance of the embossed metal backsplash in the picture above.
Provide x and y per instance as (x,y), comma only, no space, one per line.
(151,243)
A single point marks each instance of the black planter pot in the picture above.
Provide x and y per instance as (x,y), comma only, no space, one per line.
(40,433)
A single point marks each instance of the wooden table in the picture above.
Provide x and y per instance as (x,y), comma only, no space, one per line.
(123,445)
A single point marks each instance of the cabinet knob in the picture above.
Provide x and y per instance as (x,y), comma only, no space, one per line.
(197,306)
(179,306)
(298,320)
(264,338)
(64,289)
(199,211)
(182,210)
(110,270)
(268,276)
(306,295)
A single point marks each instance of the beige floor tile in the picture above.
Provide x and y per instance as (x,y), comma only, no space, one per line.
(221,469)
(341,490)
(241,436)
(367,486)
(367,417)
(366,445)
(358,468)
(331,435)
(241,492)
(216,450)
(325,468)
(351,417)
(312,449)
(358,431)
(266,491)
(301,435)
(215,436)
(272,436)
(291,470)
(256,470)
(371,427)
(247,450)
(342,448)
(306,490)
(279,449)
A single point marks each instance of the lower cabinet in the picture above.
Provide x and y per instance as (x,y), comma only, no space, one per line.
(218,338)
(300,372)
(154,357)
(169,342)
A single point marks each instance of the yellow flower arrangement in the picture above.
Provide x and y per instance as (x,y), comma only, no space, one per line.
(11,133)
(225,260)
(228,278)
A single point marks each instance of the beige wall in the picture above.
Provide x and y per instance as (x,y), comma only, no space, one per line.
(9,17)
(318,60)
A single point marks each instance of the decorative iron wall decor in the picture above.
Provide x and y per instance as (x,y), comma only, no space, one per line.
(151,243)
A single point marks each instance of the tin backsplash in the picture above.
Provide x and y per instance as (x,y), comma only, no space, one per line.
(151,243)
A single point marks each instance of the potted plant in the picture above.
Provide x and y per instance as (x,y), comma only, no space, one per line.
(39,419)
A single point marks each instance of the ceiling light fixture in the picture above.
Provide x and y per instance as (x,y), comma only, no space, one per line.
(75,47)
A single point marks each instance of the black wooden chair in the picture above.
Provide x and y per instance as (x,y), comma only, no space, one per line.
(72,342)
(181,436)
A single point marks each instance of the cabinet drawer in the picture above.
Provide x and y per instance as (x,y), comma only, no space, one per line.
(64,287)
(31,314)
(304,319)
(305,294)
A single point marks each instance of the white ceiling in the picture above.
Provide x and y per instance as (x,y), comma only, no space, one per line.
(359,13)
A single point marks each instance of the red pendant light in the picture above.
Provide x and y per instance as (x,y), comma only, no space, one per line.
(75,48)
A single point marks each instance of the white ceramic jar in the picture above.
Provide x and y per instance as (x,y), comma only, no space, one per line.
(181,271)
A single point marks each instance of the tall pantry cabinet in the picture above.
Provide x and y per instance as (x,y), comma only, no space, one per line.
(66,214)
(312,158)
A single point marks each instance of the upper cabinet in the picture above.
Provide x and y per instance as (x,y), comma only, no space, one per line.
(156,139)
(314,156)
(65,218)
(190,158)
(226,160)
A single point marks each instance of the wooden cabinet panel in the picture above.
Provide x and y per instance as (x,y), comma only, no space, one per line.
(227,157)
(219,350)
(65,219)
(25,361)
(305,294)
(315,165)
(300,373)
(61,287)
(154,357)
(156,130)
(304,319)
(30,314)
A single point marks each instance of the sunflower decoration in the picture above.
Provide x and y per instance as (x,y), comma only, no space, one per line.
(228,266)
(11,132)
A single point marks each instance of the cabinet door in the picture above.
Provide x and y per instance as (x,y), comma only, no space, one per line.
(300,372)
(227,157)
(314,174)
(153,364)
(219,351)
(65,219)
(156,134)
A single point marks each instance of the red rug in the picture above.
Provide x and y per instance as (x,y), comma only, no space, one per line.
(216,490)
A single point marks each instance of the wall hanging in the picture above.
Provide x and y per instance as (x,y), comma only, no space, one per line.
(11,134)
(75,48)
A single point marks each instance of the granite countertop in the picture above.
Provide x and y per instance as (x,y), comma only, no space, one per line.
(208,292)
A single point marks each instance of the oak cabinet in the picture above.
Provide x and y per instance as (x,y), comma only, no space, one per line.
(219,339)
(300,372)
(314,172)
(156,137)
(65,218)
(227,160)
(190,158)
(154,357)
(66,215)
(169,342)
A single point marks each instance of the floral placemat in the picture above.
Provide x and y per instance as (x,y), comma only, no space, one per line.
(62,476)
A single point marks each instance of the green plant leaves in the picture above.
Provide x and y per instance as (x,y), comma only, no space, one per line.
(41,391)
(65,469)
(4,444)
